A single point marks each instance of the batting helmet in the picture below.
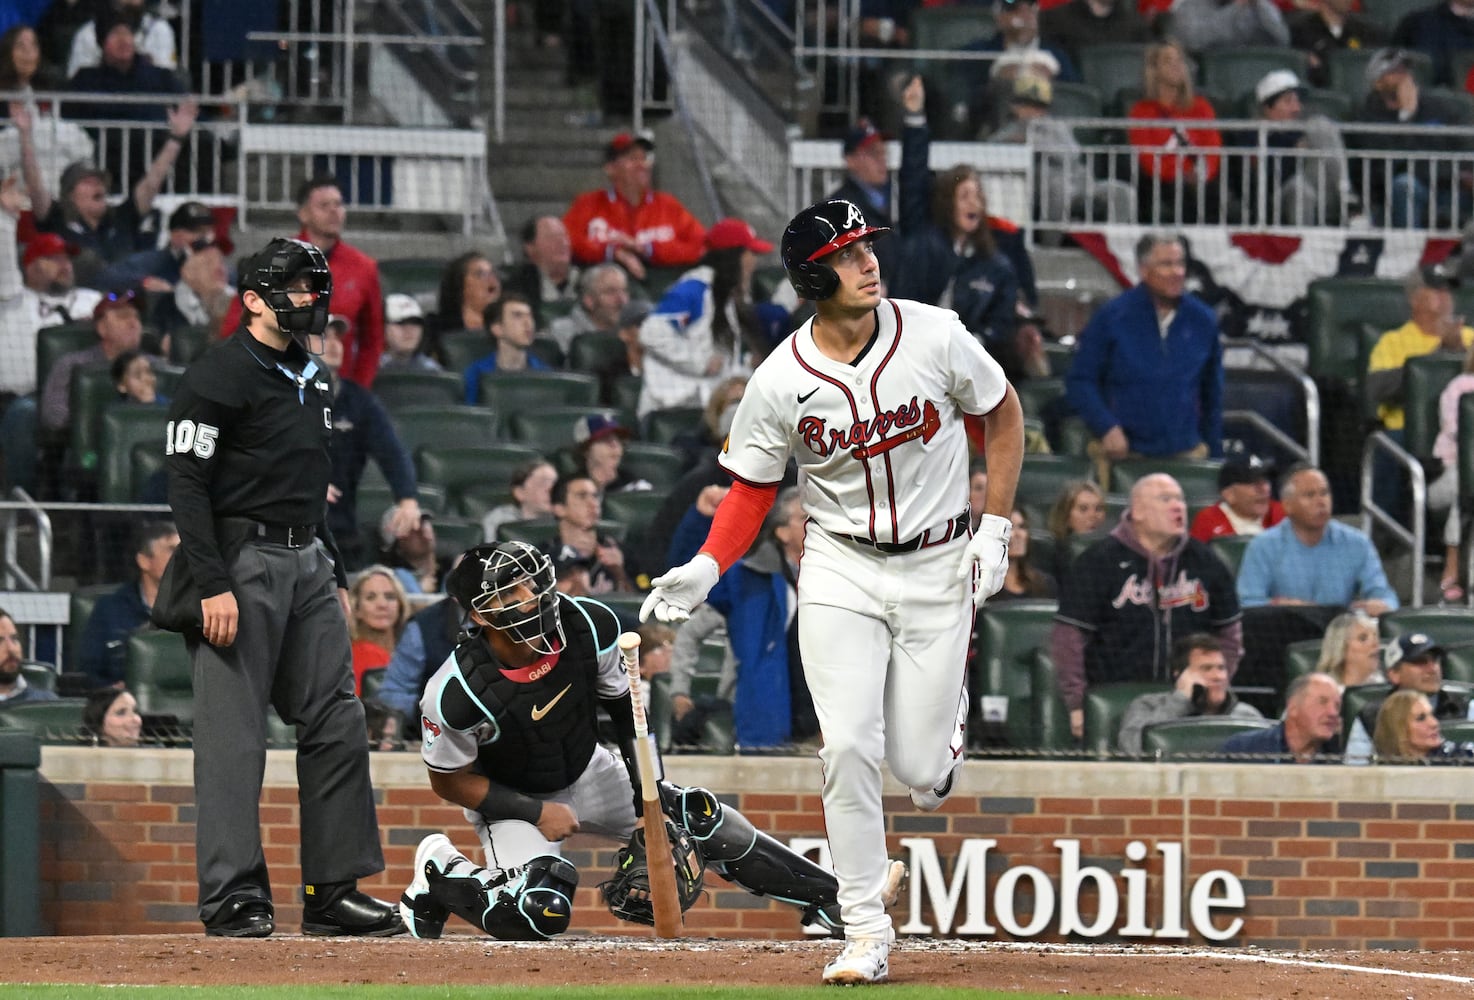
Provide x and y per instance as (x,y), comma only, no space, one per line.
(271,271)
(817,232)
(486,579)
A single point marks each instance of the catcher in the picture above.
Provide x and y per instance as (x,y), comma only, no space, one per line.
(510,735)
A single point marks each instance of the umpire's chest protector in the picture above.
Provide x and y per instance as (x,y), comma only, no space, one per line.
(543,722)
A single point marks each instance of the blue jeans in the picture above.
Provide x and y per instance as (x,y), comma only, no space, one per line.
(18,434)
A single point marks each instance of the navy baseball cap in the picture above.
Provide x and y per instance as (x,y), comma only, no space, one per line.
(1242,471)
(860,135)
(596,426)
(1413,646)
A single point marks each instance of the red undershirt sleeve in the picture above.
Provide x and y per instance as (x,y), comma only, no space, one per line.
(738,520)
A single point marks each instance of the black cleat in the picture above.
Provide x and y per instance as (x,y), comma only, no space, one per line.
(243,917)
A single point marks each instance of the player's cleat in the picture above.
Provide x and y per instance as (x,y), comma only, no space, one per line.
(895,881)
(931,799)
(863,961)
(424,917)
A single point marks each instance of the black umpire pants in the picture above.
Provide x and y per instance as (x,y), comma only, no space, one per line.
(292,652)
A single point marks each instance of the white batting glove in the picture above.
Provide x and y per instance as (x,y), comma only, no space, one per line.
(987,553)
(680,590)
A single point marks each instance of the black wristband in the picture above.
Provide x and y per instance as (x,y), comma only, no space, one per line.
(503,803)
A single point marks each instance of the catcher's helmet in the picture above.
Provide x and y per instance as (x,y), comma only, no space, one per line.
(484,582)
(273,269)
(817,232)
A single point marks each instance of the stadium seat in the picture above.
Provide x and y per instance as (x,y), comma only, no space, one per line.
(625,604)
(1231,549)
(658,464)
(1050,720)
(416,276)
(1111,68)
(1194,738)
(457,349)
(1105,705)
(548,351)
(1198,477)
(1074,437)
(1457,730)
(1035,394)
(534,531)
(1424,378)
(596,352)
(658,280)
(187,343)
(634,509)
(1348,67)
(1336,106)
(1043,476)
(1076,100)
(1357,697)
(550,428)
(1337,309)
(54,341)
(159,673)
(624,393)
(520,392)
(79,609)
(398,389)
(951,27)
(91,391)
(1008,635)
(452,468)
(1233,71)
(52,722)
(1446,625)
(371,681)
(1388,13)
(454,535)
(41,676)
(125,428)
(1276,396)
(433,426)
(1059,356)
(1300,659)
(664,426)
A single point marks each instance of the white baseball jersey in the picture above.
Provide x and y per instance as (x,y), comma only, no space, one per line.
(881,450)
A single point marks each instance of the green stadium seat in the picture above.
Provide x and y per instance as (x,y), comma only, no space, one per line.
(1233,71)
(634,509)
(1198,477)
(1231,549)
(1457,731)
(624,394)
(434,426)
(596,352)
(54,341)
(41,676)
(1388,13)
(188,343)
(1194,738)
(953,27)
(1337,307)
(1042,477)
(125,428)
(664,426)
(1424,378)
(1105,706)
(1036,393)
(525,391)
(1348,67)
(1113,67)
(659,465)
(371,682)
(457,349)
(1059,356)
(548,351)
(159,673)
(1357,697)
(454,535)
(1074,437)
(416,276)
(1048,715)
(1300,659)
(626,605)
(1076,100)
(1336,106)
(455,467)
(79,609)
(549,428)
(534,531)
(91,392)
(51,722)
(1008,635)
(1446,625)
(398,389)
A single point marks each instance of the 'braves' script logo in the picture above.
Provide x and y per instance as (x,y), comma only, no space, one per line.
(869,438)
(1184,592)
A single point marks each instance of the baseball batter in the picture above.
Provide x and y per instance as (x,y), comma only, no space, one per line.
(868,397)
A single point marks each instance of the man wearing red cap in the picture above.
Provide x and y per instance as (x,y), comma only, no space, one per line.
(704,329)
(628,222)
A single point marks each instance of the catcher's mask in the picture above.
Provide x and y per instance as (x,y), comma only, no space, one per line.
(274,271)
(815,233)
(511,588)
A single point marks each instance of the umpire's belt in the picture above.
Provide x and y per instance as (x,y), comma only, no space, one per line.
(955,528)
(293,536)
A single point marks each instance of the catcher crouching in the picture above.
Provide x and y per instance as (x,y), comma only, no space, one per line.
(510,734)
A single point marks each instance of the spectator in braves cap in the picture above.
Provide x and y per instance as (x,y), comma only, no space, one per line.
(1412,662)
(599,440)
(1245,506)
(628,222)
(867,183)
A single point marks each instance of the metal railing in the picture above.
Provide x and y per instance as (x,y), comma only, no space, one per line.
(1309,451)
(1414,537)
(649,25)
(20,511)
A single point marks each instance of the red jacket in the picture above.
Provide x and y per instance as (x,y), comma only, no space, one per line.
(669,236)
(1157,145)
(1212,522)
(356,295)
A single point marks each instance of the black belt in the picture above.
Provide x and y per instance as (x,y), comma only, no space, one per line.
(293,536)
(955,528)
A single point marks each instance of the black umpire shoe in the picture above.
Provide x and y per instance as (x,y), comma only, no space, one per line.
(243,917)
(355,913)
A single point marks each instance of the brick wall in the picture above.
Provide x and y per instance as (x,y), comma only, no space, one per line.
(1329,857)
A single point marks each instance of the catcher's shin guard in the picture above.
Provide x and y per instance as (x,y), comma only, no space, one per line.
(519,904)
(740,853)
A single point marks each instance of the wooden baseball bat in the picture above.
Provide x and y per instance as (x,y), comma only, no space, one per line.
(663,897)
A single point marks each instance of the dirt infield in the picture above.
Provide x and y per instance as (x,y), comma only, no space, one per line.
(1064,970)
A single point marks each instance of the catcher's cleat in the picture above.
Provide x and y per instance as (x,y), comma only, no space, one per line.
(863,961)
(424,917)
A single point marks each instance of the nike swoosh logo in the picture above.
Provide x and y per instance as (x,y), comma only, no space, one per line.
(539,711)
(549,913)
(806,398)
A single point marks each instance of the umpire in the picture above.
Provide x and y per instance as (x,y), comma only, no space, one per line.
(248,476)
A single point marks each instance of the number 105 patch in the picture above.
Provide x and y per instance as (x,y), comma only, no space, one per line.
(185,436)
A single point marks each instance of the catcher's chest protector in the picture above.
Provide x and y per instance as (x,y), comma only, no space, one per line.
(545,727)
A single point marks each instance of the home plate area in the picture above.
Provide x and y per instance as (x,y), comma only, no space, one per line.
(1065,970)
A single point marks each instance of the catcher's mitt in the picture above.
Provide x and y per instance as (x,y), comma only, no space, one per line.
(628,892)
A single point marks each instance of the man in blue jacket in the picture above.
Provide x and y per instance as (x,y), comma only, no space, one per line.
(1147,377)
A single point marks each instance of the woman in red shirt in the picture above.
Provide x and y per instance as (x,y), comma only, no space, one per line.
(1178,173)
